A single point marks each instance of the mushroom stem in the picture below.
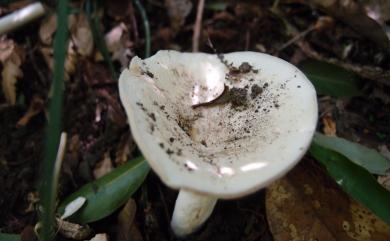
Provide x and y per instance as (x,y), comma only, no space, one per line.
(191,211)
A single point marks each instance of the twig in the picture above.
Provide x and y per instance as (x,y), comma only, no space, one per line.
(133,22)
(21,17)
(197,26)
(247,40)
(368,72)
(145,22)
(376,74)
(296,38)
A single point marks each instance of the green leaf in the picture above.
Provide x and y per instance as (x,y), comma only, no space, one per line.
(360,155)
(355,180)
(9,237)
(217,6)
(49,179)
(329,79)
(108,193)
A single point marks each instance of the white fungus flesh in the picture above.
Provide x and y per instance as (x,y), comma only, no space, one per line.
(222,125)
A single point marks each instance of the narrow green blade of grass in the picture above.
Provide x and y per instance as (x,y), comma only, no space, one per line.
(363,156)
(48,185)
(355,180)
(9,237)
(329,79)
(145,22)
(98,37)
(108,193)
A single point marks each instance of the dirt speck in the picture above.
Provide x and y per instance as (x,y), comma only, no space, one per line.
(169,151)
(245,67)
(150,74)
(255,91)
(203,142)
(152,116)
(238,96)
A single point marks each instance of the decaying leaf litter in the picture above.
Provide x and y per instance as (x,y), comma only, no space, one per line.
(99,140)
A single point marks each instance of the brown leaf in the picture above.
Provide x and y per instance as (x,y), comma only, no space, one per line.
(103,167)
(6,48)
(125,148)
(100,237)
(12,57)
(385,180)
(28,234)
(32,198)
(117,41)
(308,205)
(378,10)
(178,10)
(353,14)
(73,230)
(36,106)
(47,29)
(70,61)
(127,229)
(329,125)
(82,35)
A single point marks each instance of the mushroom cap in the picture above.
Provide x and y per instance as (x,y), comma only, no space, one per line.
(257,123)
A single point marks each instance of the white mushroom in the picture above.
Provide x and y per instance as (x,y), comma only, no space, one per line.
(217,126)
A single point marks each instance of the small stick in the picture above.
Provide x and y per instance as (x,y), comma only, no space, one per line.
(296,38)
(197,26)
(21,17)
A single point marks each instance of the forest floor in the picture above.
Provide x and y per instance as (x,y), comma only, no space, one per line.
(98,136)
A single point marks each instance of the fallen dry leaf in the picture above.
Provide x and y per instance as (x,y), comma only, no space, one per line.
(103,167)
(82,35)
(117,41)
(47,29)
(385,180)
(73,230)
(127,229)
(379,10)
(353,14)
(100,237)
(70,61)
(36,106)
(307,205)
(178,10)
(28,234)
(125,148)
(7,46)
(49,26)
(329,125)
(32,198)
(11,56)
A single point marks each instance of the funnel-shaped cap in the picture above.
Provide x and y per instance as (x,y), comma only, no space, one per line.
(222,125)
